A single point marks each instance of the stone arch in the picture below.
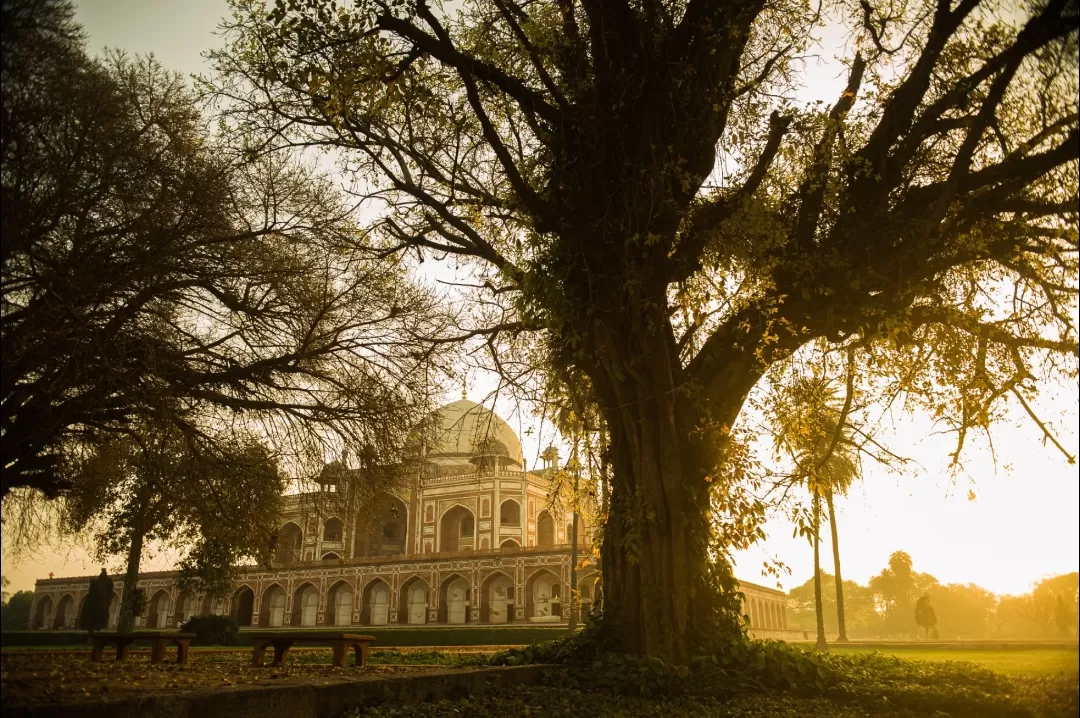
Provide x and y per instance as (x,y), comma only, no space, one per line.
(43,613)
(587,590)
(375,606)
(497,598)
(242,605)
(65,609)
(485,507)
(510,544)
(290,544)
(413,601)
(186,607)
(339,604)
(305,605)
(580,532)
(208,604)
(457,529)
(114,610)
(272,608)
(543,597)
(333,529)
(157,610)
(393,534)
(78,612)
(510,513)
(454,599)
(331,556)
(545,529)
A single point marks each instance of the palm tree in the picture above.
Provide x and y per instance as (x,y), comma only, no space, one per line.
(827,461)
(840,470)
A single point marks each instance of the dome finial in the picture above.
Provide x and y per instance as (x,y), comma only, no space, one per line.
(464,389)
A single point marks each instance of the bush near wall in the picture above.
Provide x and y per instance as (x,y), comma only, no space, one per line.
(212,630)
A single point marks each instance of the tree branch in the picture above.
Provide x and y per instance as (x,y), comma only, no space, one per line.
(703,220)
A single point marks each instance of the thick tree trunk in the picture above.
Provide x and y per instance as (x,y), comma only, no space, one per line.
(819,613)
(840,620)
(126,620)
(664,447)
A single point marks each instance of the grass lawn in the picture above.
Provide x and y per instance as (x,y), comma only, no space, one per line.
(1015,661)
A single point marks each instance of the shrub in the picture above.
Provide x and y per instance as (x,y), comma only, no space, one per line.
(213,630)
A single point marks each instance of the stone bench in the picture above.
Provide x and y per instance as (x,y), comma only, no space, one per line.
(282,642)
(159,641)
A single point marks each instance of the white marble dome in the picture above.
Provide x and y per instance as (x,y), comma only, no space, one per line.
(464,429)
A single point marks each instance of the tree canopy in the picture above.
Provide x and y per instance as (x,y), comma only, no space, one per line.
(652,220)
(152,275)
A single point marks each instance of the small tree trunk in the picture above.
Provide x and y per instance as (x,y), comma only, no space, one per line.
(126,620)
(819,613)
(573,554)
(836,567)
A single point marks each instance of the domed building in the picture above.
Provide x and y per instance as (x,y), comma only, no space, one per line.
(474,538)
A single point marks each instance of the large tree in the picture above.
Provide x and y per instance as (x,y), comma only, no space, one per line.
(628,180)
(216,506)
(151,275)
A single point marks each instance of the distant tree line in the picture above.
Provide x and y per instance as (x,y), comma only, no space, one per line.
(14,608)
(887,607)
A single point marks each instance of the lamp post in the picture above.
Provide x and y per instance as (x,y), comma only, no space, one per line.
(573,546)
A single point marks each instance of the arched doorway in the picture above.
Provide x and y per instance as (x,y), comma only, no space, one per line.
(545,529)
(333,530)
(65,607)
(290,544)
(376,608)
(454,600)
(509,544)
(243,606)
(212,605)
(587,593)
(305,605)
(43,613)
(185,607)
(331,556)
(114,610)
(497,599)
(157,615)
(385,532)
(543,599)
(580,532)
(272,612)
(510,513)
(414,602)
(339,604)
(457,529)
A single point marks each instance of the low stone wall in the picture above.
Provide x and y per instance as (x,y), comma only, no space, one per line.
(296,700)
